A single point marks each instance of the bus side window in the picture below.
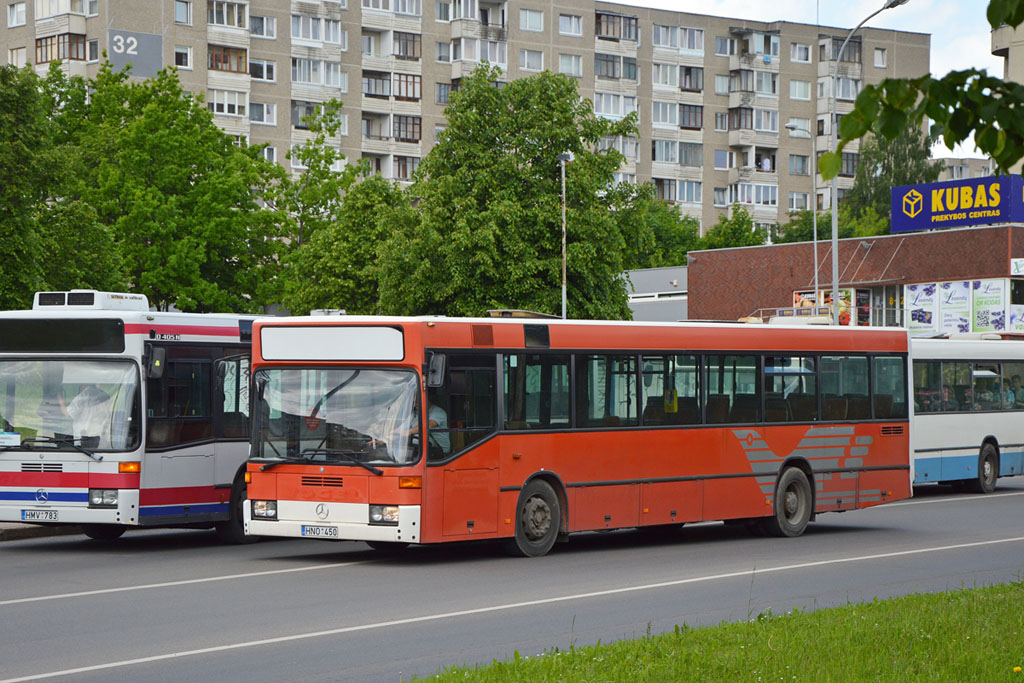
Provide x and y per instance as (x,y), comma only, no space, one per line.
(183,397)
(233,376)
(536,390)
(733,380)
(606,391)
(467,398)
(928,390)
(890,388)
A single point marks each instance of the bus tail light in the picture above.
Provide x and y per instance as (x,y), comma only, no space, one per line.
(410,482)
(129,467)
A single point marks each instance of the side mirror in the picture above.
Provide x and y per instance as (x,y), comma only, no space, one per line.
(157,360)
(435,371)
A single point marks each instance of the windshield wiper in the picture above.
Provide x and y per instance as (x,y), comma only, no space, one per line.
(57,441)
(347,455)
(283,460)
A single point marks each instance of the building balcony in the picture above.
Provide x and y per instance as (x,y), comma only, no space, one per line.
(750,60)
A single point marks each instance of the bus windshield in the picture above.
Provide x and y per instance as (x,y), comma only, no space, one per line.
(89,403)
(337,415)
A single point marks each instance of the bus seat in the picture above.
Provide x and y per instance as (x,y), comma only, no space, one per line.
(654,411)
(745,408)
(883,405)
(688,412)
(516,424)
(718,408)
(612,421)
(803,407)
(833,408)
(776,410)
(858,407)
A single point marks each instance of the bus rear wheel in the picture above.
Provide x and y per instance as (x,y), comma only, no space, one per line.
(103,532)
(792,505)
(232,530)
(988,471)
(538,520)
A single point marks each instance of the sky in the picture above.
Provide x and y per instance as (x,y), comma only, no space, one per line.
(960,34)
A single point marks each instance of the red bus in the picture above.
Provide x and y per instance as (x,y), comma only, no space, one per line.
(536,429)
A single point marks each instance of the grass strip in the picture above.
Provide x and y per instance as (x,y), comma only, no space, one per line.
(960,635)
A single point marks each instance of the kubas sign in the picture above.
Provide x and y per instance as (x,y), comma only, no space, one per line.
(955,203)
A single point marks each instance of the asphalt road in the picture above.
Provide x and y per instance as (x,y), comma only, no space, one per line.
(176,605)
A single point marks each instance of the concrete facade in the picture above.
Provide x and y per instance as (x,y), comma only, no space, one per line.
(713,94)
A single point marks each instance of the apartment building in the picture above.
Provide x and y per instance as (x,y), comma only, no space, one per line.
(730,110)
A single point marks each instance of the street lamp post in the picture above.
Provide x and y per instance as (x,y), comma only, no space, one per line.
(833,144)
(563,158)
(792,127)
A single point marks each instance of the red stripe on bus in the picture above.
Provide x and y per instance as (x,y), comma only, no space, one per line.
(184,494)
(195,330)
(79,480)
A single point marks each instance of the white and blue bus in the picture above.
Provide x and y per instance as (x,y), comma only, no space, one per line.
(113,416)
(968,411)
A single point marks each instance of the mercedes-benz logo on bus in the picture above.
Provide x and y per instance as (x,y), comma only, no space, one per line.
(322,511)
(42,496)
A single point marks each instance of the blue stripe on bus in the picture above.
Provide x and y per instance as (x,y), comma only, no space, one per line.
(178,510)
(51,496)
(953,467)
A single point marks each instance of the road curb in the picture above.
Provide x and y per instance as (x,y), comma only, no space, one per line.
(18,532)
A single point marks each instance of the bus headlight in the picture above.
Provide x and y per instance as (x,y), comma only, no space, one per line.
(103,498)
(386,515)
(264,509)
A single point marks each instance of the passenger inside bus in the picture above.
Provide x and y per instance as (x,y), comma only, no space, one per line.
(90,411)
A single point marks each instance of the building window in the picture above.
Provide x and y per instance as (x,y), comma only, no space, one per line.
(741,80)
(664,113)
(407,87)
(384,5)
(405,167)
(799,201)
(182,12)
(261,112)
(270,154)
(721,84)
(438,129)
(725,46)
(852,52)
(613,106)
(442,92)
(443,53)
(665,74)
(335,77)
(407,46)
(66,46)
(15,14)
(847,88)
(664,189)
(766,195)
(624,179)
(626,145)
(263,70)
(799,52)
(17,57)
(93,50)
(799,90)
(531,20)
(262,27)
(691,39)
(849,167)
(227,102)
(307,71)
(880,57)
(766,120)
(443,11)
(571,65)
(721,197)
(666,36)
(798,164)
(691,154)
(741,118)
(607,66)
(691,78)
(305,27)
(724,159)
(531,60)
(183,57)
(410,7)
(665,151)
(376,84)
(691,116)
(615,26)
(721,120)
(303,110)
(766,83)
(570,25)
(407,128)
(334,35)
(227,59)
(689,191)
(219,13)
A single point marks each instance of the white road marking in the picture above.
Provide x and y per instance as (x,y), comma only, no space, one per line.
(184,582)
(503,607)
(951,499)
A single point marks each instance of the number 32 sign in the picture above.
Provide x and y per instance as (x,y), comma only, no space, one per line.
(143,51)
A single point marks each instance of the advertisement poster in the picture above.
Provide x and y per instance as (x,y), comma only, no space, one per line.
(955,306)
(1016,319)
(989,300)
(922,302)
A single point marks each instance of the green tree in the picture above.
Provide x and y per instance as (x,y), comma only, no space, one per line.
(884,164)
(24,143)
(800,227)
(656,234)
(336,267)
(80,250)
(488,231)
(736,230)
(959,104)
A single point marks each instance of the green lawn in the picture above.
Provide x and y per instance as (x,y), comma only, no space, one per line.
(954,636)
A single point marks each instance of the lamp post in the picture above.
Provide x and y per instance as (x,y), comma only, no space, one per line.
(792,127)
(563,158)
(833,144)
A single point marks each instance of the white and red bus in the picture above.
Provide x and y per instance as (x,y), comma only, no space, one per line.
(536,429)
(114,416)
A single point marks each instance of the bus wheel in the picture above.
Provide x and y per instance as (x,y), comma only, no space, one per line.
(103,532)
(538,520)
(792,505)
(988,471)
(232,531)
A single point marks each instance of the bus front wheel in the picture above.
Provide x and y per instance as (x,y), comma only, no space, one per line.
(103,532)
(232,530)
(988,471)
(538,520)
(792,505)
